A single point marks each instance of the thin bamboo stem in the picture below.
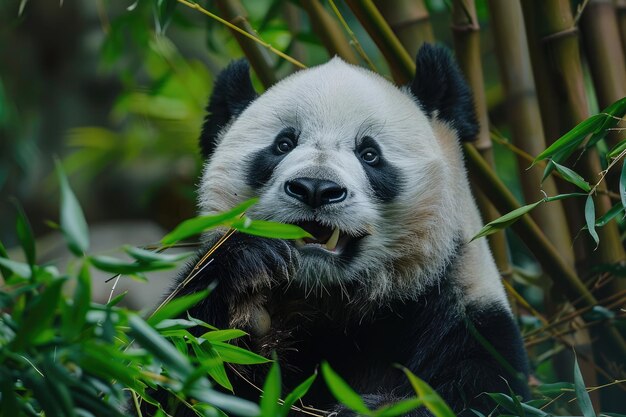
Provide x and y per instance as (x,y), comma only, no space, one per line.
(400,62)
(328,31)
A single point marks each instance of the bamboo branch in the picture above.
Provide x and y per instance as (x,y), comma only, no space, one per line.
(400,62)
(328,31)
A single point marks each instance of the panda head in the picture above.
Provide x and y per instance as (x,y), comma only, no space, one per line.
(371,170)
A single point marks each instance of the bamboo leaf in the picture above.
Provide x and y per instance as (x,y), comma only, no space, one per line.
(81,301)
(610,215)
(612,115)
(18,268)
(271,391)
(154,343)
(6,272)
(429,396)
(147,256)
(200,224)
(118,266)
(622,184)
(505,221)
(573,177)
(73,224)
(269,229)
(616,150)
(164,10)
(223,335)
(177,306)
(343,392)
(237,355)
(590,219)
(584,402)
(297,393)
(41,312)
(573,138)
(25,235)
(399,408)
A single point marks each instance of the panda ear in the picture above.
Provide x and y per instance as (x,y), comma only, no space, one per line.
(232,93)
(443,92)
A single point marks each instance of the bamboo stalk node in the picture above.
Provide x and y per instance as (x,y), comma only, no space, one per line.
(469,27)
(572,31)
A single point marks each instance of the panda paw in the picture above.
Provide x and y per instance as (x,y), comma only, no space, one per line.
(249,264)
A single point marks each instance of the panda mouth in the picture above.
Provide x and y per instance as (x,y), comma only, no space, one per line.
(324,237)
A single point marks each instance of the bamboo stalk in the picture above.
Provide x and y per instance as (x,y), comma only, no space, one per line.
(620,8)
(603,48)
(293,18)
(400,62)
(409,20)
(328,31)
(562,46)
(525,120)
(259,58)
(466,36)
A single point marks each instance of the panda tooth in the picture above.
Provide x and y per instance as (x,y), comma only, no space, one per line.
(331,244)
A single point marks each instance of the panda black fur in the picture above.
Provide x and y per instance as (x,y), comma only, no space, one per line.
(339,147)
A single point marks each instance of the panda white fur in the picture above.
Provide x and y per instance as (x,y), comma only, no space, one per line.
(338,147)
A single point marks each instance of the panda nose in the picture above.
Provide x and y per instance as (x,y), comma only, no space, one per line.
(315,192)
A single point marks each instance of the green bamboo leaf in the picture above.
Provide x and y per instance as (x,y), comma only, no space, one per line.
(226,402)
(584,402)
(177,306)
(237,355)
(147,256)
(590,219)
(557,388)
(4,271)
(8,400)
(613,212)
(269,229)
(297,393)
(116,300)
(223,335)
(564,196)
(573,138)
(622,184)
(41,312)
(151,341)
(211,364)
(81,301)
(429,396)
(612,116)
(271,391)
(18,268)
(118,266)
(25,235)
(616,150)
(164,10)
(399,408)
(342,391)
(200,224)
(505,221)
(573,177)
(73,224)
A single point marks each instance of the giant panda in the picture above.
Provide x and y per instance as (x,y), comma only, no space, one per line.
(375,173)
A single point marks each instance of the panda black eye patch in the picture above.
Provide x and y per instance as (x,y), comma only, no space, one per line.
(263,162)
(384,178)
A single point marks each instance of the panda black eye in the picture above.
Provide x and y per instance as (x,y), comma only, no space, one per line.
(284,145)
(370,156)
